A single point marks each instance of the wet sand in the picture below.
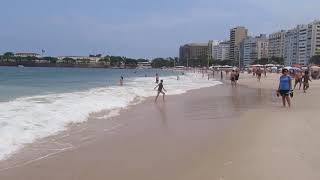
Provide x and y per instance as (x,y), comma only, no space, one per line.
(212,133)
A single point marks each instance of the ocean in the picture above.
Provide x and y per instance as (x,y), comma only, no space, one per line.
(38,102)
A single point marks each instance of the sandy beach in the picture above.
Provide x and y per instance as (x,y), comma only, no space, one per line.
(217,133)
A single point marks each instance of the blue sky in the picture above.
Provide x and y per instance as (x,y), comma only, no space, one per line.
(139,28)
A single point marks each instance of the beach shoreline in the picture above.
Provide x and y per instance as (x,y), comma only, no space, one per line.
(210,133)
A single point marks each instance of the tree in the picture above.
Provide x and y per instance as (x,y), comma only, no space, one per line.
(142,60)
(131,62)
(262,61)
(97,55)
(8,55)
(161,62)
(276,60)
(68,60)
(115,60)
(226,62)
(105,60)
(315,60)
(50,59)
(272,60)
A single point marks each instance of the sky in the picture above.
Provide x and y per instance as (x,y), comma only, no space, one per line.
(139,28)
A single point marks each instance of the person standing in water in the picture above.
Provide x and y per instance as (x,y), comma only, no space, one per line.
(121,81)
(233,78)
(237,75)
(160,90)
(259,73)
(285,88)
(157,78)
(306,79)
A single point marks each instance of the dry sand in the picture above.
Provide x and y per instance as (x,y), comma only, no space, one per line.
(215,133)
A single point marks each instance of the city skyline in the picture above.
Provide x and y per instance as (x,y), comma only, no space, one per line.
(140,29)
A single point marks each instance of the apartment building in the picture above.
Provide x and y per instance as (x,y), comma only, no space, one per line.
(291,47)
(237,35)
(221,51)
(252,49)
(276,44)
(301,43)
(196,50)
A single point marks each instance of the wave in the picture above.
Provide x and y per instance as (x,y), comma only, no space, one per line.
(27,119)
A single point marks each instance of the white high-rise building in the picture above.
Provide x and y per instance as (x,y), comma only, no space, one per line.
(252,49)
(314,38)
(303,52)
(221,51)
(237,35)
(276,44)
(301,43)
(291,47)
(262,46)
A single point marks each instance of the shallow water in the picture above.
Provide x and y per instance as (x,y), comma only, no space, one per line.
(39,102)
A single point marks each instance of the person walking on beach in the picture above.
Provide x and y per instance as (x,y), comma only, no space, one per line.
(259,73)
(233,78)
(285,88)
(157,78)
(121,81)
(160,90)
(237,75)
(298,80)
(221,74)
(306,79)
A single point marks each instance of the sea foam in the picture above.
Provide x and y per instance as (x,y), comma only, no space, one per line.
(27,119)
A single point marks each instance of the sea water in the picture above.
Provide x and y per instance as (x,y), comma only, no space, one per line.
(39,102)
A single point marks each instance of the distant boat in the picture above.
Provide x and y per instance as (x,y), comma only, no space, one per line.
(20,66)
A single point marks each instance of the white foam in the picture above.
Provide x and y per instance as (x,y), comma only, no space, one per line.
(24,120)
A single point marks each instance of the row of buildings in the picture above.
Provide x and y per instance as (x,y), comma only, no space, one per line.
(295,46)
(38,57)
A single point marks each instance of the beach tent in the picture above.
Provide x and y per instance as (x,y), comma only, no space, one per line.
(288,67)
(257,65)
(296,69)
(227,66)
(274,69)
(270,65)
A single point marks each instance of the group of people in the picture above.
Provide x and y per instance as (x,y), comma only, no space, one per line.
(258,73)
(285,85)
(302,79)
(285,89)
